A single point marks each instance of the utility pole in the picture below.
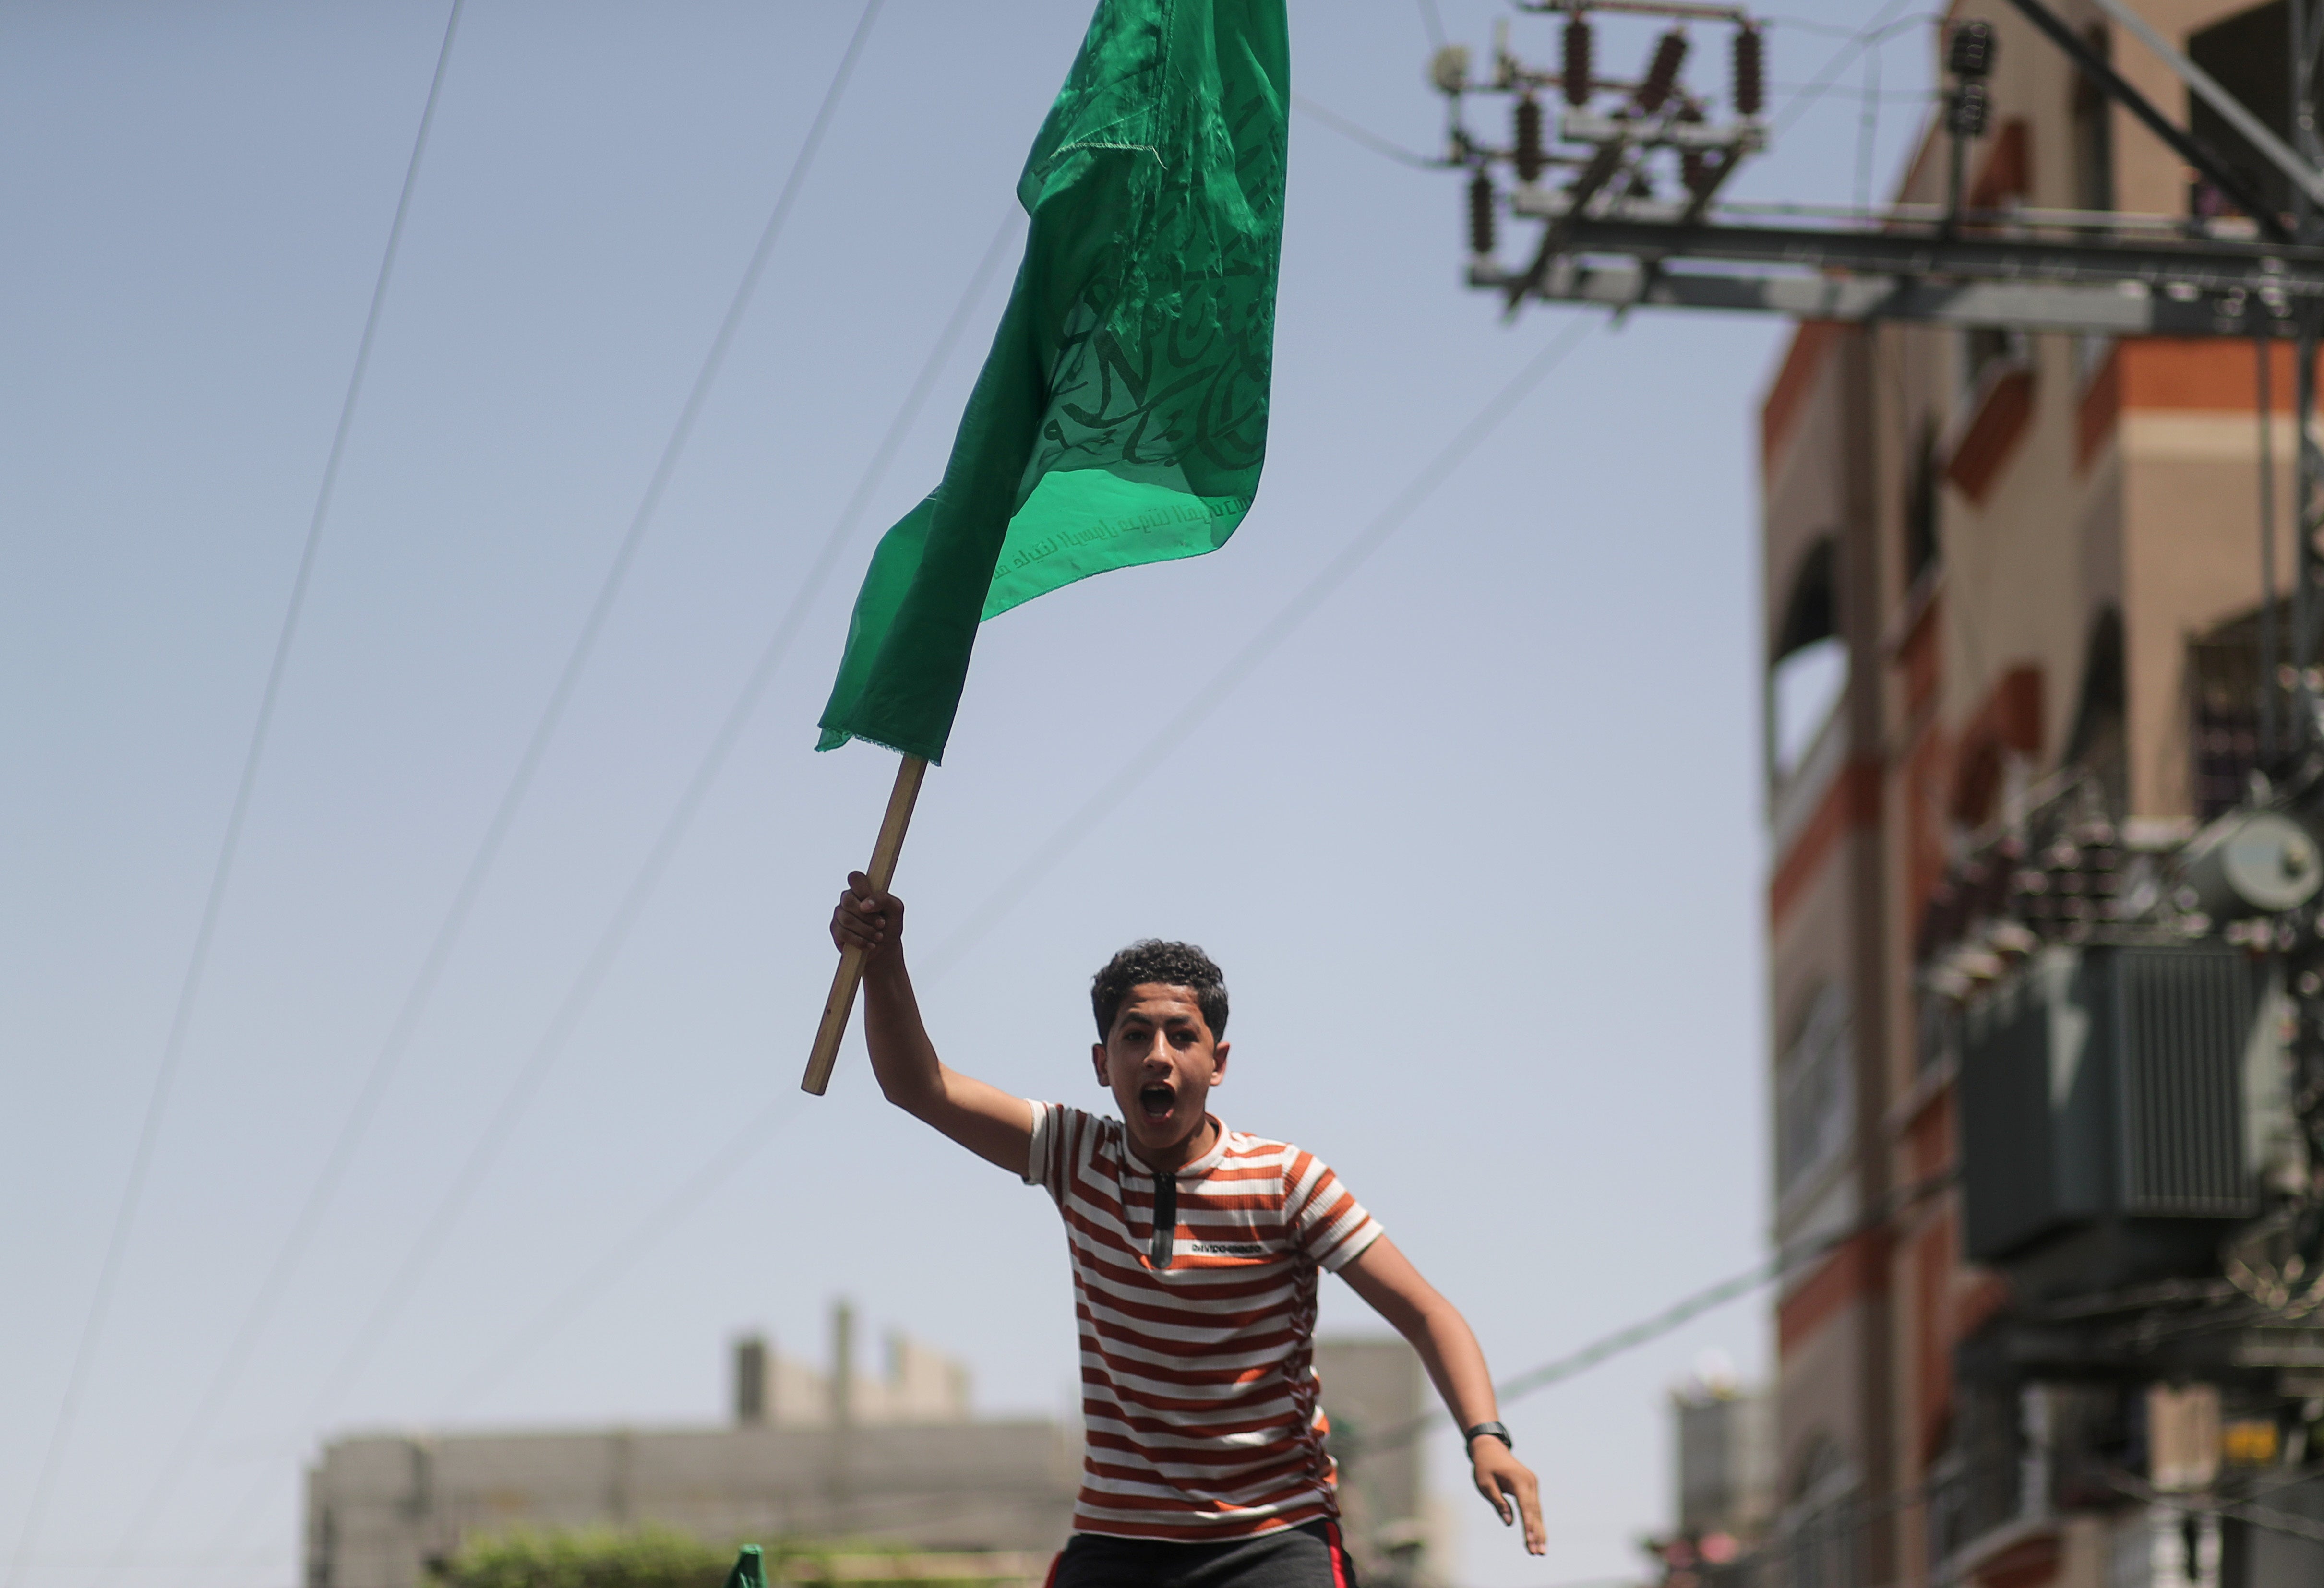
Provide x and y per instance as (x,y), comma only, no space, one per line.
(1626,178)
(2307,491)
(1631,218)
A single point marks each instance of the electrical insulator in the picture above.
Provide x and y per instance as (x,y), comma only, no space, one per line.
(1750,72)
(1481,213)
(1969,53)
(1448,69)
(1661,72)
(1695,167)
(1970,107)
(1529,159)
(1575,73)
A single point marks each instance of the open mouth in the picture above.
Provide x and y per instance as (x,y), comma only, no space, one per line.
(1156,1101)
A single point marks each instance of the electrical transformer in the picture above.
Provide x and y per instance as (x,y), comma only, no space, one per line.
(2120,1108)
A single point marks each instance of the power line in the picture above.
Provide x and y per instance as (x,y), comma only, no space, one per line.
(1682,1311)
(657,1225)
(356,1124)
(1432,24)
(1802,95)
(1257,649)
(745,1143)
(1364,135)
(625,1254)
(173,1048)
(1875,32)
(1868,129)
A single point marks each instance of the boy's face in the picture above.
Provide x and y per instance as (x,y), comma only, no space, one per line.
(1161,1060)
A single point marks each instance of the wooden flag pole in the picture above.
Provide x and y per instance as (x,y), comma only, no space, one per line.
(850,974)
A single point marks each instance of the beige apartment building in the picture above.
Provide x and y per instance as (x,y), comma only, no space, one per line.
(894,1468)
(2006,577)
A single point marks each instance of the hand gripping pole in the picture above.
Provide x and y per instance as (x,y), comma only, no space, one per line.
(850,974)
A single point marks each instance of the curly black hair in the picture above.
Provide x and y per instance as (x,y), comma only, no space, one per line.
(1172,964)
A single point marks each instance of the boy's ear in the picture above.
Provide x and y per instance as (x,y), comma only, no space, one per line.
(1218,1064)
(1097,1061)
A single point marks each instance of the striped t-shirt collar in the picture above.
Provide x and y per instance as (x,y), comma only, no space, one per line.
(1195,1170)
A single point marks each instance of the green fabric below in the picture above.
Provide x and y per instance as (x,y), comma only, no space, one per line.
(1122,415)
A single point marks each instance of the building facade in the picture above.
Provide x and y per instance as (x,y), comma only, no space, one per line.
(2014,586)
(897,1461)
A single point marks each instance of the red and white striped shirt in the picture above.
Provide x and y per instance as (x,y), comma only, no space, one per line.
(1198,1379)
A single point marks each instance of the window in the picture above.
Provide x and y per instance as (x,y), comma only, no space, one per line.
(1808,674)
(2246,54)
(1922,507)
(2100,740)
(1815,1094)
(1982,347)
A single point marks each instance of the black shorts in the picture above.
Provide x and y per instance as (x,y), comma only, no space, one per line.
(1309,1556)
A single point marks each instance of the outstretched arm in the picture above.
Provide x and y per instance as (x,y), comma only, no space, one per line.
(1385,1278)
(983,1119)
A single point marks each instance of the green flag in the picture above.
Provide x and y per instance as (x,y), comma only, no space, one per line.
(750,1569)
(1122,415)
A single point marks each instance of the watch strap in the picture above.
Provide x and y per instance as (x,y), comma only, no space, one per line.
(1498,1430)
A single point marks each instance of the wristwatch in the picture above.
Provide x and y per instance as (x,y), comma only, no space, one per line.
(1469,1436)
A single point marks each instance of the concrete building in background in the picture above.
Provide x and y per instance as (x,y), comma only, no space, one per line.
(1723,1485)
(1400,1535)
(1725,1441)
(897,1461)
(920,1386)
(2013,597)
(821,1455)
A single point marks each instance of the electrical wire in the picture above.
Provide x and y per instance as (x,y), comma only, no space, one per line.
(1271,635)
(1803,96)
(356,1124)
(1432,24)
(2287,1523)
(1873,33)
(1868,128)
(181,1021)
(761,1128)
(754,1136)
(1364,135)
(624,1254)
(551,1046)
(1886,96)
(1656,1325)
(658,1224)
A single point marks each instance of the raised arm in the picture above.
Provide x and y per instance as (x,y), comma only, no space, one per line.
(1385,1278)
(987,1120)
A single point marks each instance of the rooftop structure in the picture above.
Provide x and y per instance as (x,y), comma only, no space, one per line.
(898,1460)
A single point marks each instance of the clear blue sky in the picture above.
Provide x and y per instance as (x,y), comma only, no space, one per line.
(1479,846)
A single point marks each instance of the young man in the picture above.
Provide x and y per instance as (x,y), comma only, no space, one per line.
(1195,1250)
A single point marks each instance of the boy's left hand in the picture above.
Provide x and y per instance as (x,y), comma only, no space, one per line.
(1511,1488)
